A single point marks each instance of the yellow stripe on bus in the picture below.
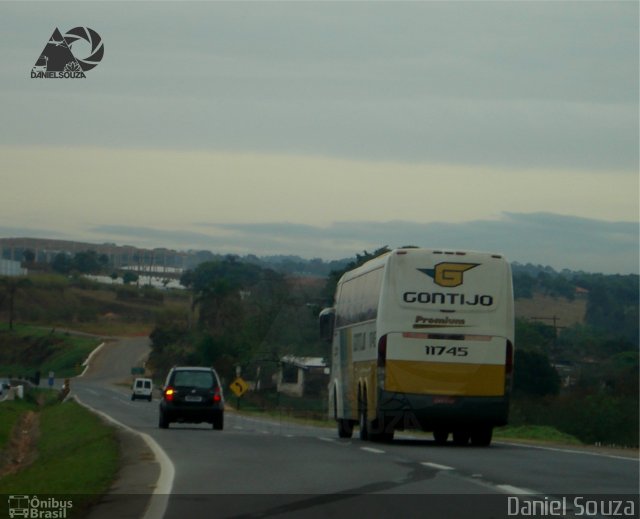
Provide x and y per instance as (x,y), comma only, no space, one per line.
(406,376)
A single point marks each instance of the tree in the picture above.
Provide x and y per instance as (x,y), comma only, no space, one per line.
(523,285)
(61,263)
(237,305)
(29,256)
(87,262)
(534,375)
(534,335)
(11,286)
(129,277)
(103,261)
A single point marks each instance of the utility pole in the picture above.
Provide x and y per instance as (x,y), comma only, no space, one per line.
(555,320)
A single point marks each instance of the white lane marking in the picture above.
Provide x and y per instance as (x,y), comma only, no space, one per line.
(322,438)
(509,489)
(371,449)
(159,500)
(122,400)
(238,427)
(436,466)
(569,451)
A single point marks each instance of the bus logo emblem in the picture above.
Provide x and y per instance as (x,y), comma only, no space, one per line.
(448,274)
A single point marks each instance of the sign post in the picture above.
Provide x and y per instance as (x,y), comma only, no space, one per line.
(239,388)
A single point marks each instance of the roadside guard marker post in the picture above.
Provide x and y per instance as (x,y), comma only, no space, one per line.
(239,388)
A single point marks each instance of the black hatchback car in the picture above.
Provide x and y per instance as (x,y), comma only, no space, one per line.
(192,395)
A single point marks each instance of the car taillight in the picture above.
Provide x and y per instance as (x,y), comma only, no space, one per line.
(217,397)
(168,394)
(382,351)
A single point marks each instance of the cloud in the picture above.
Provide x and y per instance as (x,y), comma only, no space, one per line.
(533,84)
(151,237)
(31,232)
(539,238)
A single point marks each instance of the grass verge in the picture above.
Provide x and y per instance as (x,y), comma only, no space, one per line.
(28,349)
(10,413)
(542,433)
(77,455)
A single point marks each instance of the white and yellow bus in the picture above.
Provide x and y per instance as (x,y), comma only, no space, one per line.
(422,339)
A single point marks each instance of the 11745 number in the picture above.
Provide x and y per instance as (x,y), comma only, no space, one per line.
(456,351)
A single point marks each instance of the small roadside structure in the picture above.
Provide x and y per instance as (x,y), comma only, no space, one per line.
(302,376)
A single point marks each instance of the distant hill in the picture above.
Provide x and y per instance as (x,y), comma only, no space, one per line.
(607,302)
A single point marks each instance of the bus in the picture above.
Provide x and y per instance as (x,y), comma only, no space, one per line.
(422,339)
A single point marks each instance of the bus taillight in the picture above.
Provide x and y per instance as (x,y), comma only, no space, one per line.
(508,367)
(382,351)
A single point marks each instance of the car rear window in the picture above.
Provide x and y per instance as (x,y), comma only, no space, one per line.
(198,379)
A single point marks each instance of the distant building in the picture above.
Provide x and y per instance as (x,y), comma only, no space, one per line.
(582,292)
(169,262)
(302,376)
(11,268)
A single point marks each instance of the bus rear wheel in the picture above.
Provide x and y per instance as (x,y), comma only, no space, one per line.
(362,417)
(381,429)
(440,436)
(481,437)
(345,428)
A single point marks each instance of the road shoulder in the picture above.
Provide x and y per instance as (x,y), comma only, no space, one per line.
(130,494)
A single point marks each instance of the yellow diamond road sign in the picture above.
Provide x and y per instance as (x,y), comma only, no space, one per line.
(239,387)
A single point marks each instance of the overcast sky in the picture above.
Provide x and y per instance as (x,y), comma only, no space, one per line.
(325,128)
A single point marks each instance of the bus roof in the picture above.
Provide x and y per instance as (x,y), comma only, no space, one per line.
(382,260)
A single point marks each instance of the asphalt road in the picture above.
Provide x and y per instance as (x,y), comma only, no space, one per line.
(273,468)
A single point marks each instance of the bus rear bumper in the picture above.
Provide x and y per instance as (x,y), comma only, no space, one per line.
(429,412)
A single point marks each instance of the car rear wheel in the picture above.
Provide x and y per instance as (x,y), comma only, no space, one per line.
(461,437)
(218,422)
(163,423)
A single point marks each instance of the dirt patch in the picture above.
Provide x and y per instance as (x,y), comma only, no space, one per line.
(545,308)
(21,450)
